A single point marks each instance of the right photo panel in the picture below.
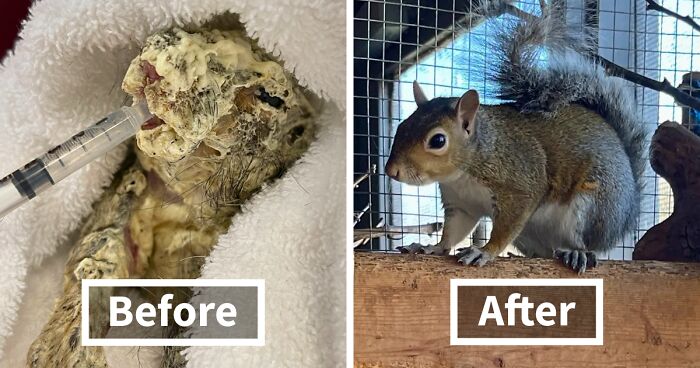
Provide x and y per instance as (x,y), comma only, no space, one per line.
(526,183)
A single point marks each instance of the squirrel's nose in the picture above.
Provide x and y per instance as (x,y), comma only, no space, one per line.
(392,170)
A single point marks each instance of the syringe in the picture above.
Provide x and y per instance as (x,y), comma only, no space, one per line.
(33,178)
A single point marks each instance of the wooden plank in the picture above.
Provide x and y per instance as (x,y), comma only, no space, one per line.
(401,314)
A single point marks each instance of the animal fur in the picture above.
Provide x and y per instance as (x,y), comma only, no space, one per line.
(567,77)
(167,207)
(558,166)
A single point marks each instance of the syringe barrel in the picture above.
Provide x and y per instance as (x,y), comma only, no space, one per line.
(59,162)
(94,141)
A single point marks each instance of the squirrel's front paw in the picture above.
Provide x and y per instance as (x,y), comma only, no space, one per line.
(473,256)
(417,248)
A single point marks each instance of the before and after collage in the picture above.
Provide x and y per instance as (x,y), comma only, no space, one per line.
(360,183)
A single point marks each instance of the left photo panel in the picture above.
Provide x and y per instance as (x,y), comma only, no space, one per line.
(173,188)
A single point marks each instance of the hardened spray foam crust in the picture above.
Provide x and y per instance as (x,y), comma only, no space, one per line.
(229,119)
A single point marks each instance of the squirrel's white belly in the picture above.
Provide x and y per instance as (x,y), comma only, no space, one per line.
(551,226)
(555,226)
(467,194)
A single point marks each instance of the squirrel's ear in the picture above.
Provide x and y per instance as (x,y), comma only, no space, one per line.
(418,94)
(466,110)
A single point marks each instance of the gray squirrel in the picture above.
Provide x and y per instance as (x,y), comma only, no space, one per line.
(558,168)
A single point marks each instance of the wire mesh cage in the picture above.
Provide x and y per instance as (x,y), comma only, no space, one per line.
(434,43)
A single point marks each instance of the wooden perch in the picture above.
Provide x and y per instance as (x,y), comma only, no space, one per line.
(401,314)
(675,155)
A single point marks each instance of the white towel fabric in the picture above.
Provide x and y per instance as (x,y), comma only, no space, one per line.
(65,73)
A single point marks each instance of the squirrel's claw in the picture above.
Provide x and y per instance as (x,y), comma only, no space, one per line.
(473,256)
(577,259)
(417,248)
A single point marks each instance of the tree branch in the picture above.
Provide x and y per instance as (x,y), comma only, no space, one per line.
(389,230)
(372,170)
(653,5)
(358,215)
(663,86)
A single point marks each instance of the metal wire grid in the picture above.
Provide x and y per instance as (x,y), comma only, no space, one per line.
(398,41)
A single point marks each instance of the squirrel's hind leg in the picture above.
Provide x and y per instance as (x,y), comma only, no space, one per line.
(578,259)
(576,255)
(561,228)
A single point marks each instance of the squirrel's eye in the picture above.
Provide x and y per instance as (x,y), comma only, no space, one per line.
(437,141)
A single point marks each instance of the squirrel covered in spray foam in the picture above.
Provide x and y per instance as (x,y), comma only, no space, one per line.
(558,168)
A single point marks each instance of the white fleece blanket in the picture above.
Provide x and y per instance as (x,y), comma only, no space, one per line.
(65,73)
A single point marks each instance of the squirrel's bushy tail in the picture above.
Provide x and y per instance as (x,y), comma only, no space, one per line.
(566,76)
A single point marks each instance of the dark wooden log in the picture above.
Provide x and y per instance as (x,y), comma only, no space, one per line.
(675,156)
